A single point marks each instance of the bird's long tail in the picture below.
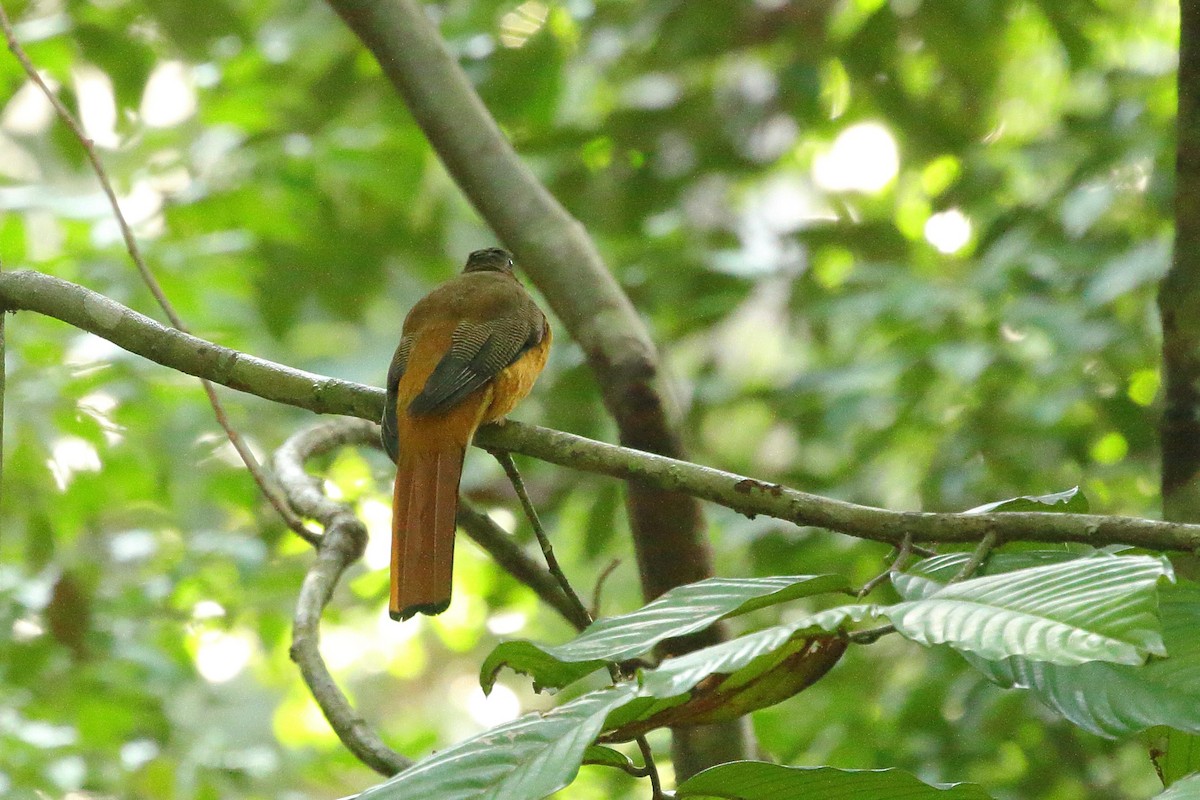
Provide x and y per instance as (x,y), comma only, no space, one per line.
(424,504)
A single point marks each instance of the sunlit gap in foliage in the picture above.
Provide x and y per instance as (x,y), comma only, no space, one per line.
(948,231)
(518,25)
(863,158)
(377,516)
(170,95)
(486,710)
(97,106)
(70,455)
(220,656)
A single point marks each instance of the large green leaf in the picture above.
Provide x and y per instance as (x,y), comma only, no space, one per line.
(756,780)
(677,675)
(1116,699)
(733,678)
(527,758)
(1090,609)
(683,610)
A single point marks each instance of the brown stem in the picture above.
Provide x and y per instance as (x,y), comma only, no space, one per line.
(982,551)
(514,476)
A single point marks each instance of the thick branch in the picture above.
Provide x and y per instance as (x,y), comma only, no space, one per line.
(179,351)
(752,497)
(1179,293)
(25,290)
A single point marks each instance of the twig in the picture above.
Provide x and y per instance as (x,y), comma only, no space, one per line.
(614,669)
(982,551)
(650,768)
(901,554)
(95,313)
(135,254)
(505,552)
(600,579)
(871,635)
(510,468)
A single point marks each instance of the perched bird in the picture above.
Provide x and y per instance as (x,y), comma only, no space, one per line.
(470,350)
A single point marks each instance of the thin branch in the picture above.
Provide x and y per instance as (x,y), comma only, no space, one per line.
(901,556)
(513,560)
(972,564)
(650,768)
(89,311)
(135,254)
(614,670)
(343,543)
(514,476)
(599,588)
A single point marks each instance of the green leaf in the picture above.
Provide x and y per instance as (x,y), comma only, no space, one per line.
(1179,755)
(1070,501)
(733,678)
(1114,700)
(1089,609)
(547,671)
(683,610)
(677,675)
(601,756)
(1184,789)
(529,757)
(756,780)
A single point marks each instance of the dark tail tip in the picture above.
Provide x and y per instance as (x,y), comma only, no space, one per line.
(431,609)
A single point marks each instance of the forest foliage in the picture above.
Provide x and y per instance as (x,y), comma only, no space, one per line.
(901,253)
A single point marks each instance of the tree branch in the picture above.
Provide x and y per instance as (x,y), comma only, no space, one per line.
(85,309)
(342,544)
(1179,293)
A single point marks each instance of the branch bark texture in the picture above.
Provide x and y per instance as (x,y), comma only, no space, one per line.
(85,309)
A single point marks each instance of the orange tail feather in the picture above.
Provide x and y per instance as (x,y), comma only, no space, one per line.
(424,506)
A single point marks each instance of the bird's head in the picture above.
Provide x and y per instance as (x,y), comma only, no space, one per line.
(491,259)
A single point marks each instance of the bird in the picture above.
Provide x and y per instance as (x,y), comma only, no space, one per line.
(469,351)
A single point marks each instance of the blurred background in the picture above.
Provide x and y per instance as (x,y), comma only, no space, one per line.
(902,253)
